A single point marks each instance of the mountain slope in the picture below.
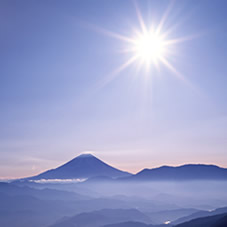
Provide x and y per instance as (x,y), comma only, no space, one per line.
(185,172)
(26,207)
(103,217)
(49,194)
(83,166)
(129,224)
(201,214)
(211,221)
(134,224)
(170,215)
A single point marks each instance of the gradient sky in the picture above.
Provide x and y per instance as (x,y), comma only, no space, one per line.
(54,56)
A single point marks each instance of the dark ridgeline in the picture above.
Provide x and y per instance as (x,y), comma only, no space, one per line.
(129,224)
(135,224)
(200,214)
(103,217)
(182,173)
(171,214)
(210,221)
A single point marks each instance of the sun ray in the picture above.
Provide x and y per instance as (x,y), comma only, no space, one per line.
(116,72)
(181,77)
(140,18)
(108,32)
(177,73)
(116,35)
(180,40)
(149,47)
(172,68)
(164,17)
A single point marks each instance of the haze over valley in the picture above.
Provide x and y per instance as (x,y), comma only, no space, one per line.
(88,192)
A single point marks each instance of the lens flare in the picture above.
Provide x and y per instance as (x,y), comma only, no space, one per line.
(149,47)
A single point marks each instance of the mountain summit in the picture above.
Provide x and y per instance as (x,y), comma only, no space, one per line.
(81,167)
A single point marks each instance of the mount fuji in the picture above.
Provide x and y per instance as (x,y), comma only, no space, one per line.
(83,166)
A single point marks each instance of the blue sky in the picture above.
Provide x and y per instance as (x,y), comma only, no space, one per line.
(54,56)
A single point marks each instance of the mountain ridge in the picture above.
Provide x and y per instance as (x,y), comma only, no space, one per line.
(88,167)
(83,166)
(182,172)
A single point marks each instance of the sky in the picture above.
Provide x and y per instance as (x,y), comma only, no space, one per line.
(63,90)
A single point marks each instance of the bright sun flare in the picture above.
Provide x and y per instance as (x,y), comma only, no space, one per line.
(149,47)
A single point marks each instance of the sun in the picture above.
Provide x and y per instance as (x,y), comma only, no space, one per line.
(149,47)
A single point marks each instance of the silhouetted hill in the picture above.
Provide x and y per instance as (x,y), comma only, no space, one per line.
(134,224)
(103,217)
(129,224)
(222,222)
(170,215)
(50,194)
(201,214)
(27,211)
(211,221)
(82,167)
(26,207)
(182,173)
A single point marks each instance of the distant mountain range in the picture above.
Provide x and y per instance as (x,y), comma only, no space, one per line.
(219,220)
(103,217)
(200,214)
(184,172)
(211,221)
(82,167)
(129,224)
(26,206)
(87,166)
(135,218)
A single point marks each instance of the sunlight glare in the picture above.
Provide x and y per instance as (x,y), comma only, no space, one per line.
(149,47)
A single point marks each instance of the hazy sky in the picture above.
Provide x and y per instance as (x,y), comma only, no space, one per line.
(54,104)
